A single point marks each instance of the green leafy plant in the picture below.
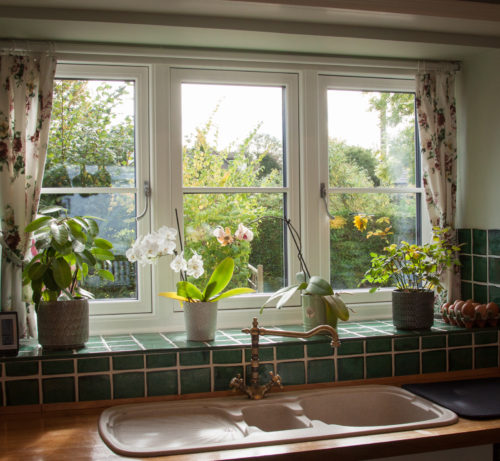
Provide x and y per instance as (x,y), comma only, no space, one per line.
(307,284)
(213,290)
(67,250)
(412,267)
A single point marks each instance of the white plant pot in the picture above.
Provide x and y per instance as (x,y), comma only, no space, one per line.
(200,320)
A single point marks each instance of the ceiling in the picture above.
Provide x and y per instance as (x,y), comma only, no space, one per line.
(431,29)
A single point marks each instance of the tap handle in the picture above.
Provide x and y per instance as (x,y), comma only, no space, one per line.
(276,380)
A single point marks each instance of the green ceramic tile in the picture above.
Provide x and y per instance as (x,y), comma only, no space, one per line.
(153,341)
(292,372)
(465,238)
(480,269)
(266,354)
(57,367)
(378,345)
(407,364)
(290,351)
(128,385)
(406,344)
(486,357)
(264,369)
(93,364)
(94,387)
(195,380)
(224,375)
(379,366)
(168,359)
(22,392)
(434,361)
(494,242)
(494,270)
(480,293)
(466,267)
(227,356)
(494,294)
(128,362)
(58,390)
(486,337)
(21,368)
(460,339)
(466,290)
(162,383)
(319,350)
(320,371)
(460,359)
(350,368)
(479,241)
(433,341)
(125,347)
(350,348)
(194,358)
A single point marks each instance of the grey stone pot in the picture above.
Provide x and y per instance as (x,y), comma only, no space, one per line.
(413,310)
(200,320)
(63,324)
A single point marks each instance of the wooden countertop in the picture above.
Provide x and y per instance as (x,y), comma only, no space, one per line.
(73,435)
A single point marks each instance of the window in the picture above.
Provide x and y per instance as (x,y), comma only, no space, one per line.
(228,143)
(96,162)
(374,190)
(238,156)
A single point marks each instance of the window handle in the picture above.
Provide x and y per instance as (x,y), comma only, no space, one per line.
(147,193)
(323,192)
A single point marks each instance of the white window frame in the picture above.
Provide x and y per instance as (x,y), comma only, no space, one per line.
(109,309)
(365,305)
(232,307)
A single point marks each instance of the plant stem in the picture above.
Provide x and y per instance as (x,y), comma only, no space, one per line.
(183,274)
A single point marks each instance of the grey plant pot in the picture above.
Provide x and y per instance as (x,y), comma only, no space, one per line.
(63,324)
(200,320)
(413,310)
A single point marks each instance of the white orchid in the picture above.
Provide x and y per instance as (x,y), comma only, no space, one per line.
(243,233)
(195,266)
(179,263)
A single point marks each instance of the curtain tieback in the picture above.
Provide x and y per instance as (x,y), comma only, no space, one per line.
(11,256)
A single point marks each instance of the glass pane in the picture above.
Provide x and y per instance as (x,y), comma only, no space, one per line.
(91,138)
(204,212)
(117,214)
(232,135)
(389,218)
(371,138)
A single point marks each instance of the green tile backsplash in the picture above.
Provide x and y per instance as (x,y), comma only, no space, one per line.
(373,349)
(480,259)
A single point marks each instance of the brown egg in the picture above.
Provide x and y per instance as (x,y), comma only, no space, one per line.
(454,311)
(468,311)
(492,313)
(444,312)
(481,315)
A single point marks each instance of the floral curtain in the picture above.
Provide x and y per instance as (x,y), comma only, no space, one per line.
(26,84)
(436,113)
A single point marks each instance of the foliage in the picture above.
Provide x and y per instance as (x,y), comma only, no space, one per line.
(309,285)
(67,249)
(213,290)
(413,267)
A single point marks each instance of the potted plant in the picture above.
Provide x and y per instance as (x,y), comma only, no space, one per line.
(320,305)
(415,271)
(199,304)
(67,250)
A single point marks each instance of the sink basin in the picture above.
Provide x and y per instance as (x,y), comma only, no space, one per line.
(165,428)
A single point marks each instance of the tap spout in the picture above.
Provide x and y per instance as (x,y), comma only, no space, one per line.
(254,390)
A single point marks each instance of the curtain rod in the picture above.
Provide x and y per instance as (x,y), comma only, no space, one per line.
(68,49)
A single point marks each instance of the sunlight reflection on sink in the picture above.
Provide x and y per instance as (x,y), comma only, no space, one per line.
(164,428)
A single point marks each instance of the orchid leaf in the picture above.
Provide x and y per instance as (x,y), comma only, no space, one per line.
(318,286)
(173,295)
(189,291)
(221,275)
(233,292)
(285,298)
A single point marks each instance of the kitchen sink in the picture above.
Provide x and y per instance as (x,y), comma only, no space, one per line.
(165,428)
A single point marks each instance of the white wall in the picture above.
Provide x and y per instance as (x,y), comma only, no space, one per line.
(478,95)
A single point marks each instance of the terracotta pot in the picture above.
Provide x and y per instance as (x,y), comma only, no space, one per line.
(63,324)
(200,320)
(413,310)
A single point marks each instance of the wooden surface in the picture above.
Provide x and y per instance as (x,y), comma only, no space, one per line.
(73,435)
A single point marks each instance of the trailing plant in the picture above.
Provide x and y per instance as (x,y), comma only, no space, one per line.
(66,250)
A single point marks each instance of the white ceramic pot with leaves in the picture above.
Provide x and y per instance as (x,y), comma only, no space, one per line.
(67,250)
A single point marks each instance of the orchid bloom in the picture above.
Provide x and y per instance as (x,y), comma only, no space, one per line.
(243,233)
(224,236)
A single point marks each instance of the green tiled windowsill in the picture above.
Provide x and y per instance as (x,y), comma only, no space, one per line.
(379,332)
